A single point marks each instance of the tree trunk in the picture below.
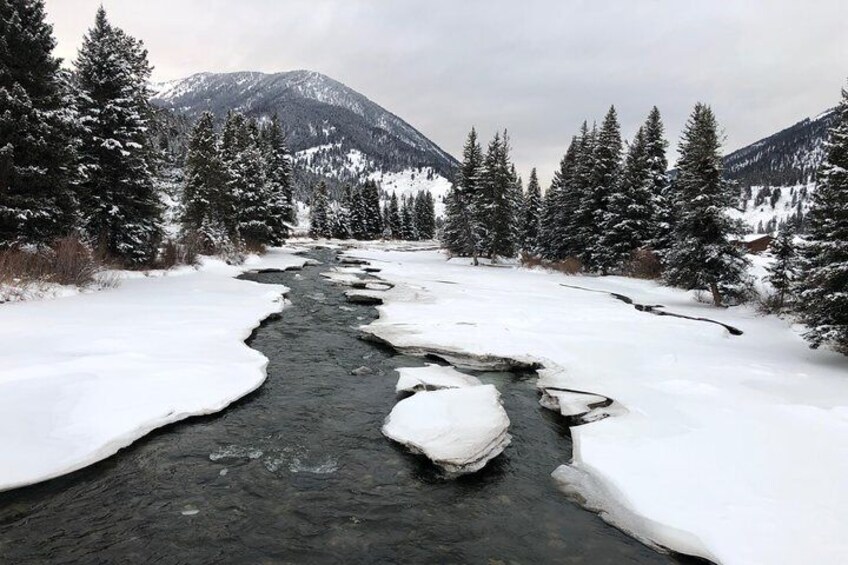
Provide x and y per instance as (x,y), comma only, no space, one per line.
(716,294)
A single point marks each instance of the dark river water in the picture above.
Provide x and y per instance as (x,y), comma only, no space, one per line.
(298,472)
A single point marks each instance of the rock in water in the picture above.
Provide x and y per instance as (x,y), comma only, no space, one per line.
(433,377)
(459,429)
(362,371)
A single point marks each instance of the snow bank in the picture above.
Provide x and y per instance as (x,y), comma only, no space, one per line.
(459,429)
(83,376)
(433,377)
(732,447)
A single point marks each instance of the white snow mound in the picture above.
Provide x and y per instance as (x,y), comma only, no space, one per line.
(433,377)
(459,429)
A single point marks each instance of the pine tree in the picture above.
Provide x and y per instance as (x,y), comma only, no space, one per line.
(120,204)
(319,215)
(37,149)
(373,221)
(278,174)
(558,236)
(629,224)
(499,207)
(357,216)
(605,181)
(823,296)
(393,218)
(702,256)
(457,231)
(407,218)
(204,192)
(783,272)
(532,224)
(580,227)
(661,189)
(253,202)
(469,221)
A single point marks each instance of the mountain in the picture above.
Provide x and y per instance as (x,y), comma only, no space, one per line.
(777,175)
(333,131)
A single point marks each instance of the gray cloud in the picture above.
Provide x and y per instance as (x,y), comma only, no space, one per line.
(538,68)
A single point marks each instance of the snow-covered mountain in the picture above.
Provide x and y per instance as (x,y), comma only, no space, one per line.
(777,175)
(332,130)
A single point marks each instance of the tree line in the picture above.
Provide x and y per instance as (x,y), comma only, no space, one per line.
(360,215)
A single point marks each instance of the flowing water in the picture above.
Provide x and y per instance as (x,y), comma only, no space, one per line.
(298,472)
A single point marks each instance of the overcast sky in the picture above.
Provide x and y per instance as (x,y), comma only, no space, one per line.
(538,68)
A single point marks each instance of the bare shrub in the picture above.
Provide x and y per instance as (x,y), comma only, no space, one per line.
(644,264)
(568,266)
(531,261)
(72,262)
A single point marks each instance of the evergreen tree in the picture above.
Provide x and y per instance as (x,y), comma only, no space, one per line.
(629,224)
(373,221)
(558,236)
(469,222)
(457,232)
(339,222)
(393,218)
(37,151)
(499,204)
(824,281)
(425,220)
(702,256)
(120,204)
(532,215)
(319,215)
(580,227)
(204,193)
(782,273)
(278,174)
(605,179)
(407,218)
(661,189)
(357,217)
(250,220)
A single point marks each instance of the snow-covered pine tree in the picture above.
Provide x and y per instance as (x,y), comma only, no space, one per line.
(823,296)
(339,221)
(556,238)
(319,214)
(393,219)
(629,224)
(407,219)
(532,224)
(702,255)
(247,183)
(499,200)
(205,191)
(352,202)
(456,231)
(661,189)
(278,174)
(580,227)
(37,151)
(606,175)
(783,271)
(469,223)
(430,216)
(373,220)
(120,204)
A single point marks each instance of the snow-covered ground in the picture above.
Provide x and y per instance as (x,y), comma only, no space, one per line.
(731,447)
(85,375)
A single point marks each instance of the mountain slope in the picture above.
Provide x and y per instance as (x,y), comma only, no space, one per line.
(332,130)
(777,175)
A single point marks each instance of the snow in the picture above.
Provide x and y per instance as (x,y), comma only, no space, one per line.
(410,182)
(433,377)
(85,375)
(727,447)
(459,429)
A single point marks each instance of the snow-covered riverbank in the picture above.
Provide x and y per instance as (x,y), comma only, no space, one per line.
(731,447)
(83,376)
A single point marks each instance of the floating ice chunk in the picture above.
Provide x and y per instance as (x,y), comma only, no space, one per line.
(433,377)
(570,403)
(459,429)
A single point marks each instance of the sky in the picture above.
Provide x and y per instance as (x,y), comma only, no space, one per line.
(535,67)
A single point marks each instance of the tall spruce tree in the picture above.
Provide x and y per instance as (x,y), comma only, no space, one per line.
(629,224)
(500,202)
(605,179)
(37,149)
(783,271)
(661,189)
(470,219)
(372,220)
(702,255)
(561,202)
(320,221)
(256,222)
(278,175)
(407,219)
(823,289)
(393,218)
(532,221)
(581,226)
(120,203)
(205,191)
(457,233)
